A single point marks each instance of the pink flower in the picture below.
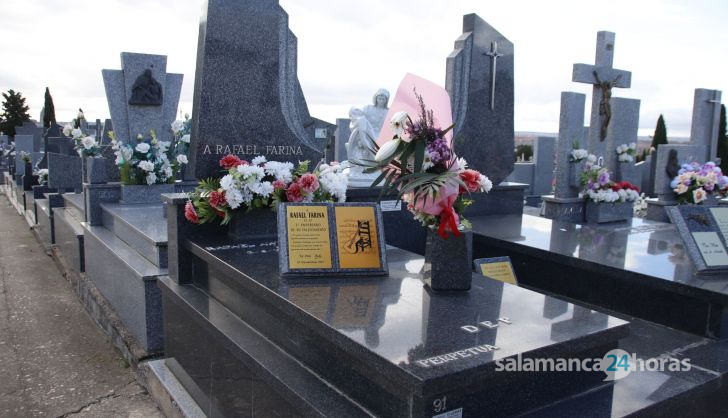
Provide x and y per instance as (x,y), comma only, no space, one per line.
(217,199)
(190,213)
(294,193)
(309,183)
(279,184)
(699,195)
(471,178)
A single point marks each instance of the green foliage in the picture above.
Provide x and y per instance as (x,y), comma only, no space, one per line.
(660,136)
(524,150)
(723,141)
(15,112)
(49,110)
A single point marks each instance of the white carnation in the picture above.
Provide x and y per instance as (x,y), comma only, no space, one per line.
(227,183)
(485,184)
(259,160)
(264,189)
(234,198)
(151,178)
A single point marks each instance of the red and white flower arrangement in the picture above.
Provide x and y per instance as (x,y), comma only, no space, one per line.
(262,184)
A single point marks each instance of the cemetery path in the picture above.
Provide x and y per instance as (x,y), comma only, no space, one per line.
(54,360)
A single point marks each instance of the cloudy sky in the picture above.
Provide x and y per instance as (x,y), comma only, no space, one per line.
(349,49)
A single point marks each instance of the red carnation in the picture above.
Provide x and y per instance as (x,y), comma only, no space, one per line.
(279,184)
(229,161)
(190,213)
(471,178)
(294,193)
(217,199)
(309,183)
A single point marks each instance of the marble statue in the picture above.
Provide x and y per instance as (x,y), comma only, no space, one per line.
(366,122)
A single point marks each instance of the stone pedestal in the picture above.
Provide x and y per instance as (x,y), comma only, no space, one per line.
(608,212)
(656,210)
(564,209)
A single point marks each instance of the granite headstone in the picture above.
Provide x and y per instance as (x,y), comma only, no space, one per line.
(247,98)
(64,172)
(622,131)
(479,79)
(343,132)
(685,154)
(32,129)
(132,119)
(705,122)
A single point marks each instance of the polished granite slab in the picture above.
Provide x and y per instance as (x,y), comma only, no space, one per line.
(396,346)
(638,267)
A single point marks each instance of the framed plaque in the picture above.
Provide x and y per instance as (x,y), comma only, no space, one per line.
(319,239)
(704,230)
(497,268)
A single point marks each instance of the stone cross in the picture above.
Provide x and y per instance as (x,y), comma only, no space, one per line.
(493,54)
(603,78)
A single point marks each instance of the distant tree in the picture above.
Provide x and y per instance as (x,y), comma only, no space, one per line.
(525,151)
(660,136)
(49,110)
(723,141)
(15,112)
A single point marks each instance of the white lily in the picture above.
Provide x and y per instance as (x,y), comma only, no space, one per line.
(387,150)
(398,122)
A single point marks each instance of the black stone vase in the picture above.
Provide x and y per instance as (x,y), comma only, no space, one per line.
(448,262)
(258,223)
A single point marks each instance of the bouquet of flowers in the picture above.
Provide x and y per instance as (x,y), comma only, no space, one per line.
(43,176)
(420,163)
(147,161)
(577,155)
(181,130)
(600,188)
(25,157)
(694,182)
(626,153)
(85,146)
(263,184)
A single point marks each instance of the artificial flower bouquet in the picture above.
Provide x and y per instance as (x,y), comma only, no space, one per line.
(419,162)
(695,182)
(147,160)
(626,153)
(181,129)
(599,188)
(262,184)
(43,176)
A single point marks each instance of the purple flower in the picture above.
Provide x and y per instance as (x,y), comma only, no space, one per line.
(603,178)
(439,151)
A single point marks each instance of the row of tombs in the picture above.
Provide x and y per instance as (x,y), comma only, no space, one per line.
(206,311)
(215,307)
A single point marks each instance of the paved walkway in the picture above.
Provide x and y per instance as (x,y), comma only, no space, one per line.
(54,361)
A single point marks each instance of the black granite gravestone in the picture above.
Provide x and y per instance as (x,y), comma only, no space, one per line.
(247,99)
(480,83)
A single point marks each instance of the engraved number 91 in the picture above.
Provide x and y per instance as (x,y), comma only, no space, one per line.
(439,405)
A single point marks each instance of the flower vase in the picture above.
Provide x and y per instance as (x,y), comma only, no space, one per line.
(258,223)
(448,262)
(604,212)
(96,170)
(575,171)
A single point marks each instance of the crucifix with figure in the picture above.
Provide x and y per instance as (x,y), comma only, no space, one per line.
(603,78)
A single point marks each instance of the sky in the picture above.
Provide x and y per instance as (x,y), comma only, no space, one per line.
(349,49)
